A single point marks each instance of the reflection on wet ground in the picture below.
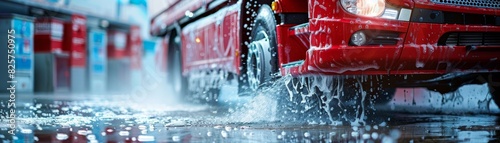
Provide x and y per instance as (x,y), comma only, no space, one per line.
(69,118)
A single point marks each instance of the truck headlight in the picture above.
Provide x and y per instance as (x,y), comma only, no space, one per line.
(370,8)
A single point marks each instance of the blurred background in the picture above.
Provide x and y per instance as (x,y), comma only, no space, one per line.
(75,46)
(101,52)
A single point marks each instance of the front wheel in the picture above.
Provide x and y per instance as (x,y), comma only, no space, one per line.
(261,61)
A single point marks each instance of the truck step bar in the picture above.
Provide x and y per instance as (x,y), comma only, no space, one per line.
(300,29)
(293,64)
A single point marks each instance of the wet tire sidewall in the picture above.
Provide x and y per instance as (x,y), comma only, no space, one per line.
(264,22)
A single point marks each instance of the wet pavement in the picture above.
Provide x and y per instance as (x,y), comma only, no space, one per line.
(415,115)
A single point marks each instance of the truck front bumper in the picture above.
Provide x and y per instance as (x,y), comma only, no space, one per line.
(419,50)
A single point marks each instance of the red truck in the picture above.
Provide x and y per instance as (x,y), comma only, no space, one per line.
(437,44)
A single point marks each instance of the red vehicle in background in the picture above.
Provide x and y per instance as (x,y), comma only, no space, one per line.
(372,46)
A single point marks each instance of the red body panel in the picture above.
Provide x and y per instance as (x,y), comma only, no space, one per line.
(75,35)
(416,53)
(296,43)
(213,42)
(401,3)
(421,54)
(291,6)
(176,12)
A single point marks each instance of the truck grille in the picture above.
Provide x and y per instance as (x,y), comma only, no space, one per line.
(473,3)
(470,39)
(447,17)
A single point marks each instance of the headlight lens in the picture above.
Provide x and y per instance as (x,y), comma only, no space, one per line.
(369,8)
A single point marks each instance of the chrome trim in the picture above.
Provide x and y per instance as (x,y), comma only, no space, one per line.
(404,14)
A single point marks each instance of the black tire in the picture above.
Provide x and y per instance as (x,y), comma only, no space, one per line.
(179,82)
(494,87)
(261,60)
